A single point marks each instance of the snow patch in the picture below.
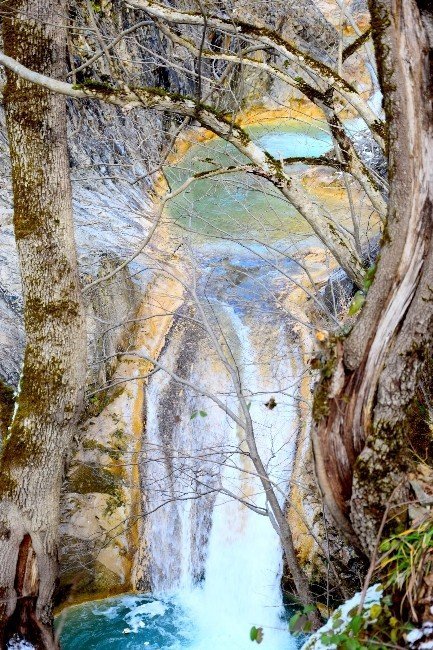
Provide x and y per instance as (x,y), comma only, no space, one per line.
(341,617)
(414,635)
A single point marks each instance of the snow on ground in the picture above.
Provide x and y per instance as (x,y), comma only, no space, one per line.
(342,615)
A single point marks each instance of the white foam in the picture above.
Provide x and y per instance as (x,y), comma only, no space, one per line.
(135,617)
(15,644)
(110,612)
(155,608)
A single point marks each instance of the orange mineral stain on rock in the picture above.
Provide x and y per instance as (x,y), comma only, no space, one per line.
(103,500)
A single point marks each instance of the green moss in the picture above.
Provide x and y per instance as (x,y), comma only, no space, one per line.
(320,403)
(96,85)
(380,128)
(87,479)
(119,434)
(114,450)
(115,501)
(96,6)
(199,175)
(7,403)
(310,92)
(357,43)
(99,401)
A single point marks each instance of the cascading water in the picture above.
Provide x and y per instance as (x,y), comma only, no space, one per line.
(242,563)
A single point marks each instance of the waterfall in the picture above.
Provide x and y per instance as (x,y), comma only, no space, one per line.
(215,566)
(221,560)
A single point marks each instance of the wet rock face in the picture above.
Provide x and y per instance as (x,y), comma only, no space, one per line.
(103,549)
(110,312)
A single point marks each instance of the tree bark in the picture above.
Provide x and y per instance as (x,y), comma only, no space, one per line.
(53,376)
(363,435)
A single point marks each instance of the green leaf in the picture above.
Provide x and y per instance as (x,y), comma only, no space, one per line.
(193,415)
(356,624)
(256,634)
(371,272)
(293,620)
(299,623)
(351,644)
(336,620)
(375,610)
(309,608)
(203,414)
(369,277)
(327,639)
(356,304)
(337,639)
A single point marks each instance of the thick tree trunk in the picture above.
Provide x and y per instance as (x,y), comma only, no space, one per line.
(363,434)
(53,376)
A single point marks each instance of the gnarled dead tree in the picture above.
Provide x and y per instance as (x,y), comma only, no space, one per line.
(363,436)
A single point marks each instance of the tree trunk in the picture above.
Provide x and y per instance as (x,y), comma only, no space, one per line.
(363,435)
(53,376)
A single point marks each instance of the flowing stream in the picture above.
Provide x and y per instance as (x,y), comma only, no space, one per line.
(215,563)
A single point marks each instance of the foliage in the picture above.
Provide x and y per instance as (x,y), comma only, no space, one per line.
(369,277)
(358,299)
(299,622)
(256,634)
(404,567)
(357,302)
(407,558)
(375,628)
(194,414)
